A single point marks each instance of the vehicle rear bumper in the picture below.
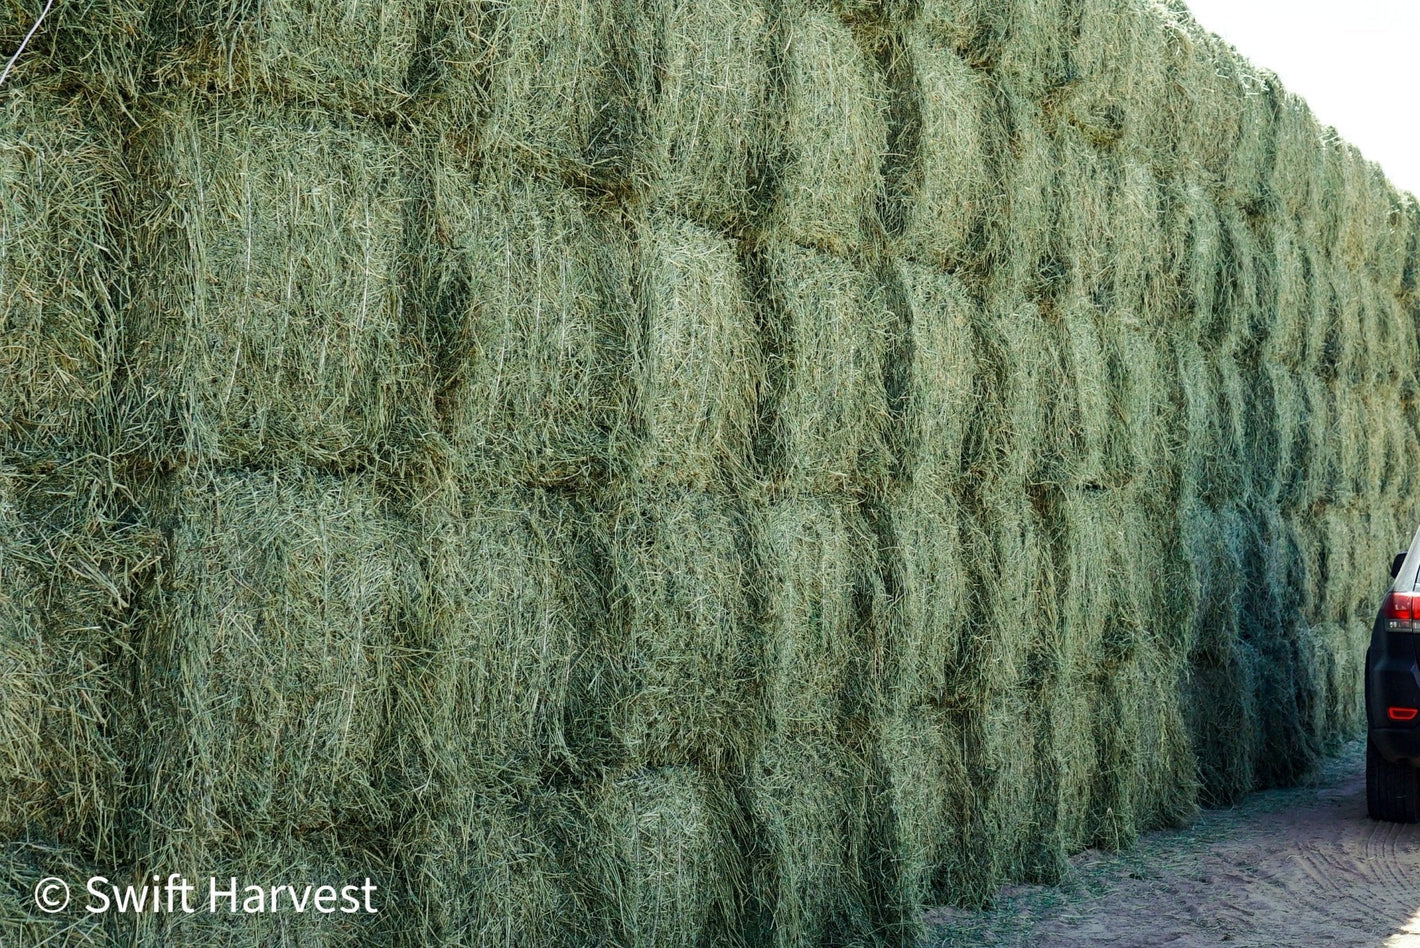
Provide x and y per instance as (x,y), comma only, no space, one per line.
(1396,743)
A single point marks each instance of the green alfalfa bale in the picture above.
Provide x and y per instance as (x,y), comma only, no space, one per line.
(1298,169)
(1211,537)
(1021,233)
(1224,722)
(1318,462)
(1094,449)
(1249,420)
(1340,526)
(1028,41)
(353,56)
(928,616)
(828,334)
(1292,270)
(1022,365)
(1084,189)
(1196,239)
(266,321)
(1212,462)
(943,374)
(806,799)
(98,45)
(483,865)
(919,802)
(1121,64)
(1371,235)
(697,363)
(815,556)
(657,857)
(25,867)
(1243,281)
(1017,634)
(538,325)
(343,860)
(834,135)
(563,84)
(1147,776)
(707,138)
(1337,668)
(1291,426)
(271,639)
(71,563)
(670,674)
(1146,395)
(510,588)
(947,187)
(60,170)
(1353,439)
(1225,114)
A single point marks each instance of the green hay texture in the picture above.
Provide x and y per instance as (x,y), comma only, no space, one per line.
(683,472)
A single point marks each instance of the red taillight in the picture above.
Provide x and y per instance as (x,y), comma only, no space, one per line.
(1399,612)
(1402,714)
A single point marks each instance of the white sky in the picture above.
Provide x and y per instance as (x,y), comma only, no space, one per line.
(1356,62)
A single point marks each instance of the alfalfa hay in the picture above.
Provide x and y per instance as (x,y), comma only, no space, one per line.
(68,574)
(947,181)
(671,671)
(658,858)
(510,589)
(942,391)
(828,334)
(272,633)
(60,172)
(696,358)
(536,325)
(346,57)
(266,322)
(835,135)
(806,799)
(811,553)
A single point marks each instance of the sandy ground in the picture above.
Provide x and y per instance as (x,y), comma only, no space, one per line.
(1295,867)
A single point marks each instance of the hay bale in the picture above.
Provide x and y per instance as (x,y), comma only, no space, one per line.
(1213,461)
(1121,66)
(709,123)
(1095,453)
(942,375)
(353,56)
(23,866)
(271,638)
(69,573)
(1241,303)
(670,674)
(1197,239)
(835,135)
(1370,220)
(1224,109)
(1318,483)
(696,358)
(486,868)
(828,328)
(928,616)
(1085,187)
(1287,484)
(1293,267)
(814,555)
(805,797)
(1298,169)
(332,858)
(1146,775)
(659,859)
(266,323)
(60,168)
(1021,362)
(1022,230)
(510,589)
(566,85)
(97,45)
(947,195)
(538,310)
(1028,41)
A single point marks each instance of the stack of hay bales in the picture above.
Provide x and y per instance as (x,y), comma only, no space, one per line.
(674,473)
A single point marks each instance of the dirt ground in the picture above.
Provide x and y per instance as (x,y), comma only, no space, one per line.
(1296,867)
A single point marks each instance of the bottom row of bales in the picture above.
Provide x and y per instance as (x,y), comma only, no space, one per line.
(630,718)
